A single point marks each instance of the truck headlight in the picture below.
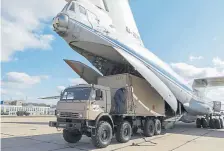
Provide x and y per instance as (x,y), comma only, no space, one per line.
(57,113)
(80,115)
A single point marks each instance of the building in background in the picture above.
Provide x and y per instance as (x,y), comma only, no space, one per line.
(14,102)
(33,110)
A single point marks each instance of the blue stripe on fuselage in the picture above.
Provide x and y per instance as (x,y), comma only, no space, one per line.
(132,52)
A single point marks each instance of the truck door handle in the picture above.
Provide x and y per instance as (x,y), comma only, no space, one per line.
(102,107)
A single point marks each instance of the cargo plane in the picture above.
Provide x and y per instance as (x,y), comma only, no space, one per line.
(105,33)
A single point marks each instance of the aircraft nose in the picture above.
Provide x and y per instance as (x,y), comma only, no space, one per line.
(198,108)
(60,23)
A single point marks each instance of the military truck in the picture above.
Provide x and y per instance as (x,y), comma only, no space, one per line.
(118,105)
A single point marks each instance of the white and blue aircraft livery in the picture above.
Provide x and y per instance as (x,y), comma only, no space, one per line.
(105,32)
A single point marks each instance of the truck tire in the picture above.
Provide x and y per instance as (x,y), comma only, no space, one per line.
(71,137)
(158,127)
(217,124)
(221,122)
(149,128)
(198,123)
(204,122)
(212,123)
(103,135)
(124,132)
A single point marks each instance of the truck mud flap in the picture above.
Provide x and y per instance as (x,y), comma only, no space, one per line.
(93,131)
(159,86)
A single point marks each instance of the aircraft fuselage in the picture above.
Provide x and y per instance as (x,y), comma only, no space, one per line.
(89,31)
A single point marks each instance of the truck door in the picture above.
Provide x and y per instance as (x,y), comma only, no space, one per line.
(130,105)
(102,101)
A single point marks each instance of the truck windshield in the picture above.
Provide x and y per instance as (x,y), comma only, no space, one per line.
(78,93)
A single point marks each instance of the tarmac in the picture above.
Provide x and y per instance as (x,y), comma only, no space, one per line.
(34,134)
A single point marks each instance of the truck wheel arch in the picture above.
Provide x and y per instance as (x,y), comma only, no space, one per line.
(104,117)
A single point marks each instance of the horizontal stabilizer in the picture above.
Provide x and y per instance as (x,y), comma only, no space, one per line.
(87,73)
(50,97)
(208,82)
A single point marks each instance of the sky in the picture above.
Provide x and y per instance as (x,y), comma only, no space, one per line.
(188,35)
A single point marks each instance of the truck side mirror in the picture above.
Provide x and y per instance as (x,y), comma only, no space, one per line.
(98,93)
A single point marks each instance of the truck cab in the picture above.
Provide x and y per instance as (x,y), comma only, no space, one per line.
(84,102)
(80,109)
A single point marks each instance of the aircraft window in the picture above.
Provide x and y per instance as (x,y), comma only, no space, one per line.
(112,26)
(105,5)
(65,7)
(92,17)
(72,7)
(82,10)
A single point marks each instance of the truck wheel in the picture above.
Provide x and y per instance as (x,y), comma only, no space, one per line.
(217,124)
(124,131)
(204,123)
(198,123)
(158,127)
(103,135)
(221,122)
(149,128)
(71,137)
(212,123)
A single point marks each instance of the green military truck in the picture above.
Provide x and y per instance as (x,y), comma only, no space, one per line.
(118,105)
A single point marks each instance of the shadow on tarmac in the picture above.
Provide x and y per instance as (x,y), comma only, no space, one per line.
(56,139)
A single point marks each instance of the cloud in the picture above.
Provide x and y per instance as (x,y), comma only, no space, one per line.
(4,91)
(21,80)
(76,81)
(11,93)
(23,23)
(15,85)
(192,58)
(191,72)
(61,88)
(217,92)
(218,62)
